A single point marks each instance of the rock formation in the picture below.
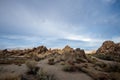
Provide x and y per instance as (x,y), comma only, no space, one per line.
(109,47)
(67,49)
(71,54)
(80,53)
(40,50)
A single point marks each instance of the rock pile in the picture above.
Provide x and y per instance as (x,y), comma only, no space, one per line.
(40,50)
(73,54)
(109,47)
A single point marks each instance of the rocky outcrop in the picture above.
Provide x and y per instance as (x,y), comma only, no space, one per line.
(72,55)
(40,50)
(80,53)
(67,49)
(109,47)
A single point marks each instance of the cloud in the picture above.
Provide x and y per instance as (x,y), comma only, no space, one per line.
(80,23)
(78,37)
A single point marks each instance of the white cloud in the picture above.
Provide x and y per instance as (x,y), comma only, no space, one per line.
(78,37)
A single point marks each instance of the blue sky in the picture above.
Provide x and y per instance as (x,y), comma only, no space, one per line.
(56,23)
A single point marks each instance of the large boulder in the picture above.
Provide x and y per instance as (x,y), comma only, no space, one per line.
(80,52)
(109,47)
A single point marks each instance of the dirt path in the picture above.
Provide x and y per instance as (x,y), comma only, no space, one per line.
(61,75)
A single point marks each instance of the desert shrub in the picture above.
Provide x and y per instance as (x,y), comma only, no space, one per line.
(32,67)
(85,66)
(42,75)
(10,76)
(101,64)
(94,59)
(98,68)
(62,63)
(79,60)
(34,56)
(115,67)
(91,59)
(81,67)
(69,68)
(51,61)
(105,57)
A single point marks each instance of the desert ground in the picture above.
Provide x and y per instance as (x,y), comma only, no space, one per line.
(41,63)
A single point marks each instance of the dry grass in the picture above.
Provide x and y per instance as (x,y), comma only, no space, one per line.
(51,61)
(69,68)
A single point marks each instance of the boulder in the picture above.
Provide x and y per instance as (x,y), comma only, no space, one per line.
(109,47)
(80,52)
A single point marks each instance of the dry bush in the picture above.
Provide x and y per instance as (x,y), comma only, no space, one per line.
(51,61)
(42,75)
(79,60)
(101,64)
(35,56)
(107,57)
(10,76)
(114,67)
(69,68)
(32,67)
(62,63)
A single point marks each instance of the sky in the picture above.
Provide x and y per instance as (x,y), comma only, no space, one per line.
(82,24)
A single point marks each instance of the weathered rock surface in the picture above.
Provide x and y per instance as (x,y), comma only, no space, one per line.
(72,55)
(67,49)
(109,47)
(40,50)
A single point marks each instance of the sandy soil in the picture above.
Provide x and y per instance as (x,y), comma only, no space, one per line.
(51,69)
(13,69)
(61,75)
